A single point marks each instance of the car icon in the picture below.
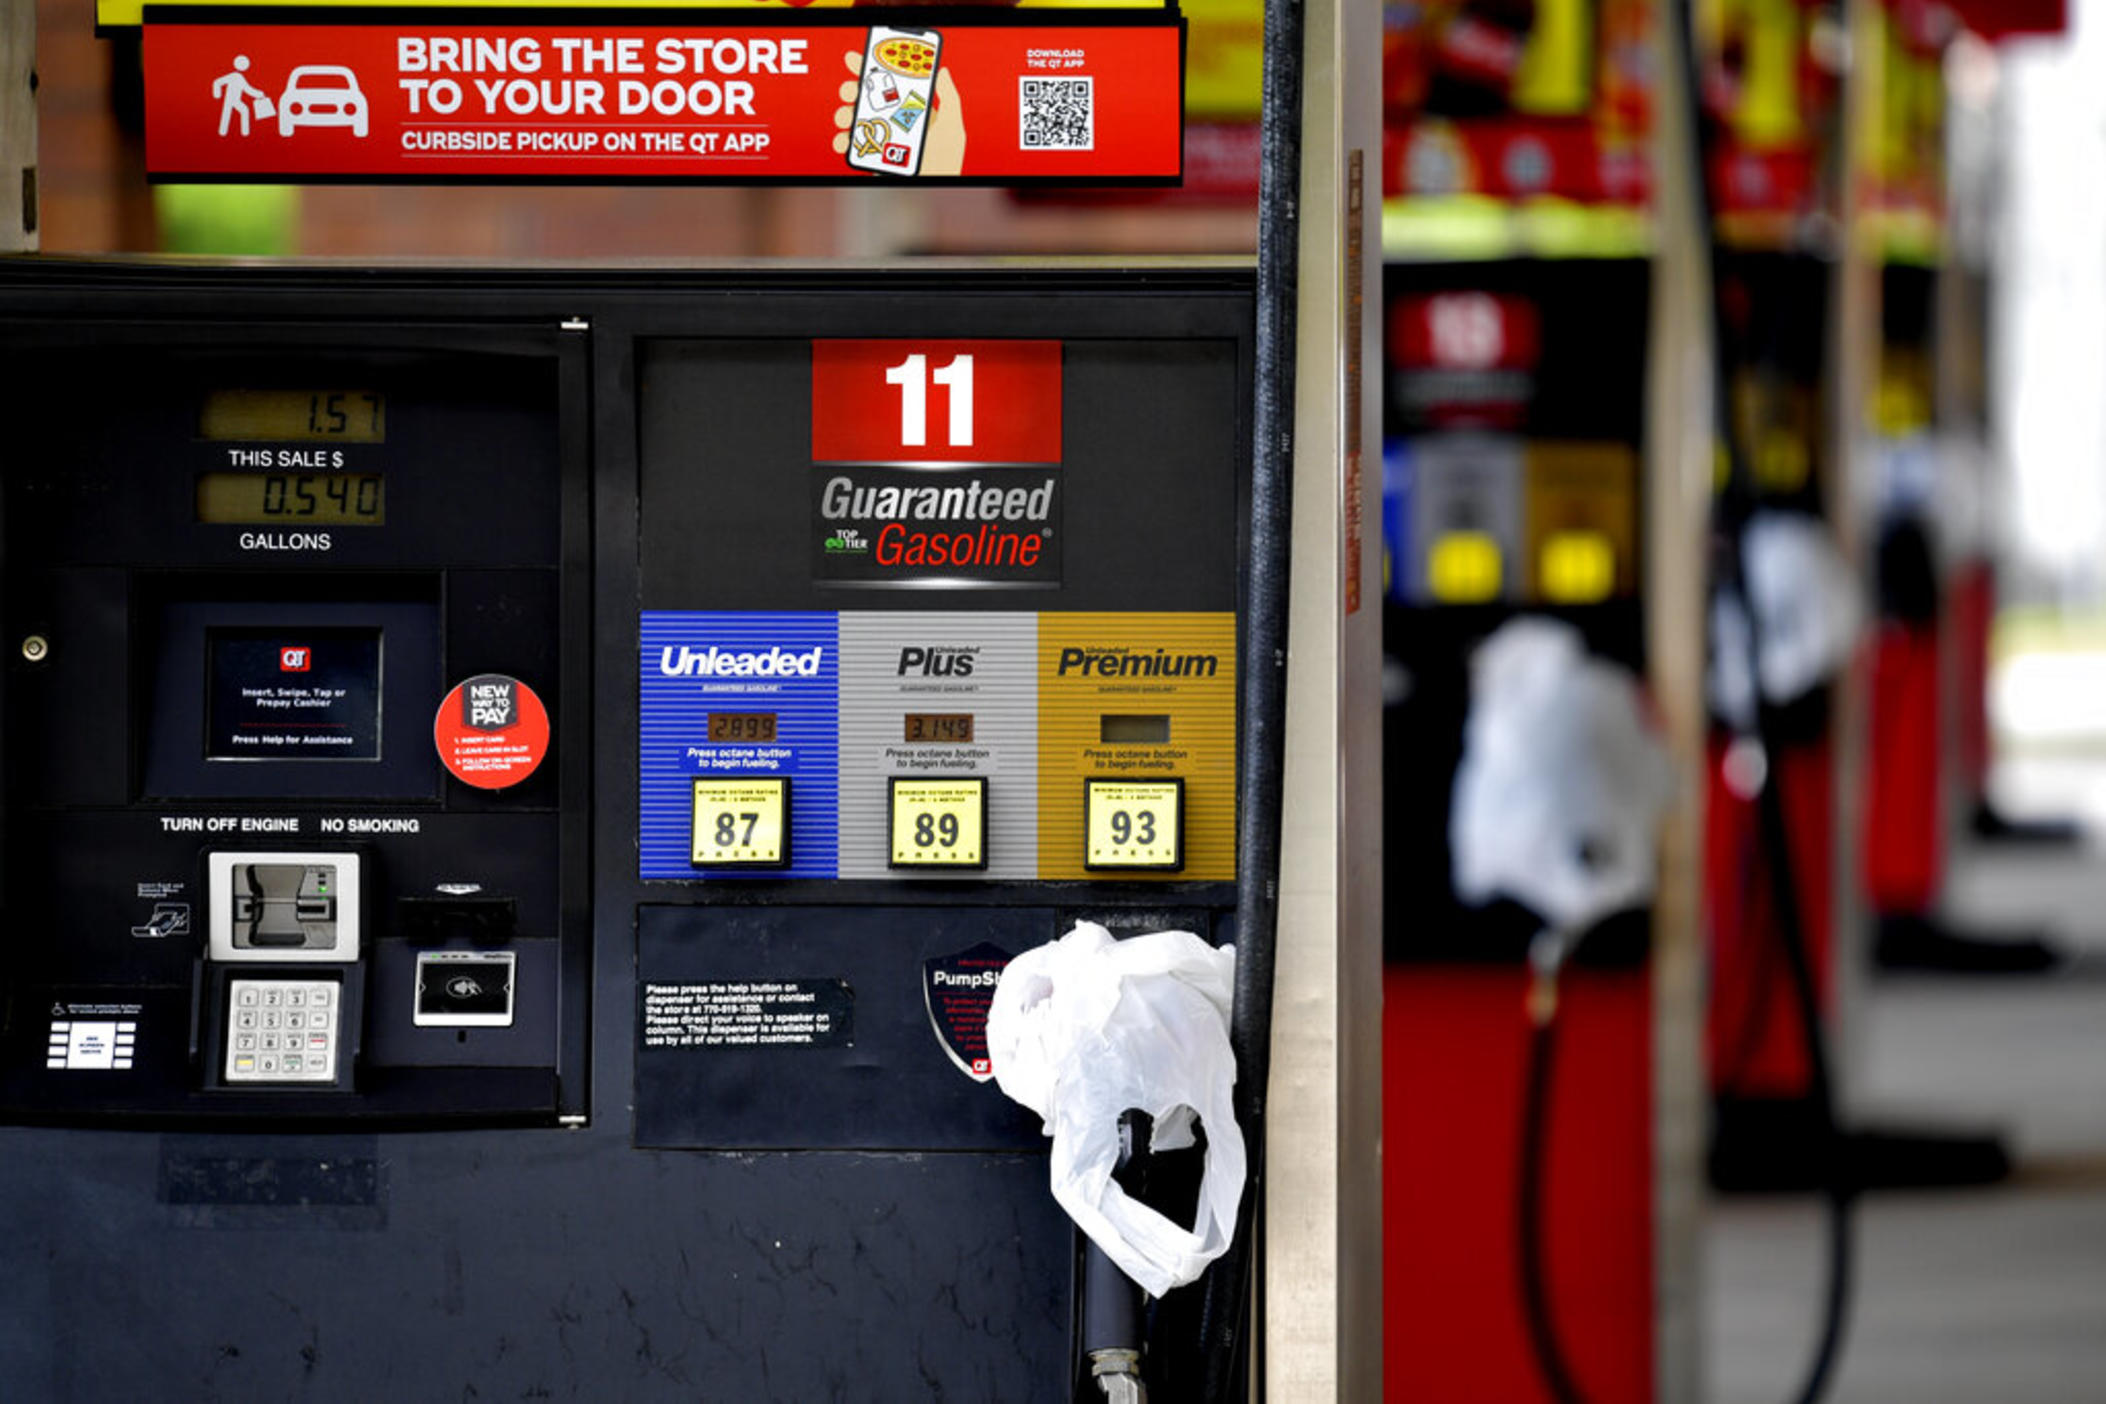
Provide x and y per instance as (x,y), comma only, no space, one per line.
(322,95)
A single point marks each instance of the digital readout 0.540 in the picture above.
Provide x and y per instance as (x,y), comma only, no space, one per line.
(741,726)
(265,499)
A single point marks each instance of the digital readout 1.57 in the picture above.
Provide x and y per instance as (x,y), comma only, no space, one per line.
(293,416)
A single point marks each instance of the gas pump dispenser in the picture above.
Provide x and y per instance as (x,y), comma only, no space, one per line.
(519,788)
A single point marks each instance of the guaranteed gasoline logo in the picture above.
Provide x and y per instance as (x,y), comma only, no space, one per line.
(936,462)
(936,526)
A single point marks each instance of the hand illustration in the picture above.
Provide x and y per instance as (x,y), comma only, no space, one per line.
(943,148)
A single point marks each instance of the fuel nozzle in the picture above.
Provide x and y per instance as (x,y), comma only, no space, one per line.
(1113,1305)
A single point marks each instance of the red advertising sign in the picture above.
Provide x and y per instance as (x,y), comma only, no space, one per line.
(922,401)
(809,98)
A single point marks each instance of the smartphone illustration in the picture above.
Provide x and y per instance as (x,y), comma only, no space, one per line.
(894,99)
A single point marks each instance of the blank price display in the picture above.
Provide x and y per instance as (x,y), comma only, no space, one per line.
(742,823)
(1137,824)
(939,823)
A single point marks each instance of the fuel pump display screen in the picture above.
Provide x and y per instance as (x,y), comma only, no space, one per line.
(924,728)
(741,726)
(1127,730)
(293,416)
(298,694)
(277,499)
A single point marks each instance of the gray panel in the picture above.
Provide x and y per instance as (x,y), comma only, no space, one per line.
(883,678)
(1466,483)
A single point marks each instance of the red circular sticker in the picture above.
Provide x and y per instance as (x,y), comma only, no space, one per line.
(491,731)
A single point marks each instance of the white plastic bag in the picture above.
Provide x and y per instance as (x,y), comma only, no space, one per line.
(1808,603)
(1084,1027)
(1561,784)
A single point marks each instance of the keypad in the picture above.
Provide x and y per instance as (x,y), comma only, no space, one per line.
(283,1030)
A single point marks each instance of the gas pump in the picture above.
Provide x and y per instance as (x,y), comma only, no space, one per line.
(520,786)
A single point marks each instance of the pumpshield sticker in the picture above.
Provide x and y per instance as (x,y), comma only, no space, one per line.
(959,990)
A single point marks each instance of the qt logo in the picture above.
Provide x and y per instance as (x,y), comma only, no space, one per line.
(897,154)
(295,659)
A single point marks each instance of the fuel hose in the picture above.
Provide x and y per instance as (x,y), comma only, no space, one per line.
(1227,1294)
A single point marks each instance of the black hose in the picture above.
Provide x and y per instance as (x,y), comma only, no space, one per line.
(1739,503)
(1528,1214)
(1263,677)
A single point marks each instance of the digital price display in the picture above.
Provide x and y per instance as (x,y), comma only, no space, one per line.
(741,726)
(741,823)
(1114,729)
(922,728)
(1134,824)
(939,823)
(293,416)
(271,499)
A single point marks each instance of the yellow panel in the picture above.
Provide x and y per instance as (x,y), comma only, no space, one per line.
(1167,676)
(1577,567)
(1580,521)
(1224,58)
(1556,76)
(1464,568)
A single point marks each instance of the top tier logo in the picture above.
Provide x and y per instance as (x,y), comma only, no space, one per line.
(936,402)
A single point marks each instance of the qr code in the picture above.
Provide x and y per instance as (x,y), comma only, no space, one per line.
(1057,114)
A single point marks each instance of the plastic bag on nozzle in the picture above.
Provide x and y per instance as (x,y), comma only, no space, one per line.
(1085,1027)
(1807,603)
(1562,783)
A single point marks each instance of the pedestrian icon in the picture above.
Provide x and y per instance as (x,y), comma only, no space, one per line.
(315,95)
(238,96)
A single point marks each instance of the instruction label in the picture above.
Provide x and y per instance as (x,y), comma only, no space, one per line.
(491,731)
(802,1013)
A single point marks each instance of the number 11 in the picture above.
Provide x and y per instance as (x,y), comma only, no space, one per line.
(912,376)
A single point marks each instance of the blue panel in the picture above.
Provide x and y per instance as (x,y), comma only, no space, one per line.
(698,662)
(1396,519)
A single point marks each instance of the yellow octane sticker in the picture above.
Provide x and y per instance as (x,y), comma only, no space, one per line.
(742,823)
(1134,823)
(939,823)
(1578,567)
(1464,568)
